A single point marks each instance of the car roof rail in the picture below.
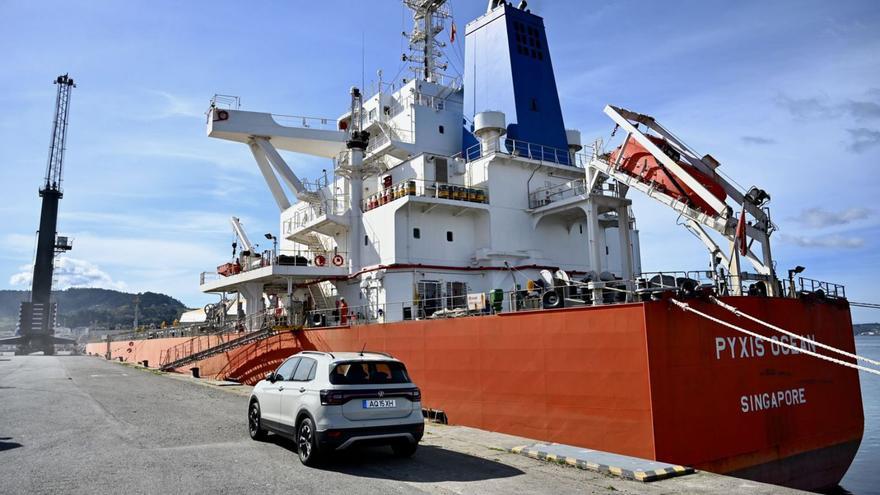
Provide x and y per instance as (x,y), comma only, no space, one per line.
(377,352)
(319,352)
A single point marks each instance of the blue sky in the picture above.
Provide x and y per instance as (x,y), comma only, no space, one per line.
(785,94)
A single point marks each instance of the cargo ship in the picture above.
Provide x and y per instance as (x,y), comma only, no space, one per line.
(465,230)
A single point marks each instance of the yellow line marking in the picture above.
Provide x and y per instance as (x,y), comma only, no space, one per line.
(551,457)
(571,460)
(615,470)
(517,450)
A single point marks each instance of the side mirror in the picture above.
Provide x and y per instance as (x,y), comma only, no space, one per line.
(270,376)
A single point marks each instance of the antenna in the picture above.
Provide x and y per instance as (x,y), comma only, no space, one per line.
(362,349)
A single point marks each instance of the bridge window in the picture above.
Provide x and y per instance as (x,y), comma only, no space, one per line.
(417,234)
(441,129)
(449,235)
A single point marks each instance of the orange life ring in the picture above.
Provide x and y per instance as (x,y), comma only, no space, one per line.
(338,260)
(320,260)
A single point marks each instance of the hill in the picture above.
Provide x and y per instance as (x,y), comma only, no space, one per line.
(103,307)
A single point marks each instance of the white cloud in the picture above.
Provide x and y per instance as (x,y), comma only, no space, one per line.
(818,218)
(830,241)
(177,106)
(862,139)
(70,272)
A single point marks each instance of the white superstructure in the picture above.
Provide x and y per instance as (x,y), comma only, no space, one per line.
(422,217)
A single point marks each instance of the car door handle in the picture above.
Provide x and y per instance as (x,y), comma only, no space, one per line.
(302,389)
(280,388)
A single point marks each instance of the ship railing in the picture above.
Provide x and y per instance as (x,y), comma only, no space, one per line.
(315,185)
(829,289)
(304,121)
(531,151)
(226,101)
(646,286)
(425,189)
(306,213)
(550,194)
(319,258)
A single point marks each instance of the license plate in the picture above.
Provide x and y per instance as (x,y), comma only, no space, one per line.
(379,403)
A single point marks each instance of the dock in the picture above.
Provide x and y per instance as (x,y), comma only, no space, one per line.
(77,424)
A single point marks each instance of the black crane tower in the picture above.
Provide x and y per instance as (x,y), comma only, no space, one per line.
(36,324)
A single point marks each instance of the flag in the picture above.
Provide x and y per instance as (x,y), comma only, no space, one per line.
(741,234)
(452,33)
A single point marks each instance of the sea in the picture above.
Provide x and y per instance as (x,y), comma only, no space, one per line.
(863,477)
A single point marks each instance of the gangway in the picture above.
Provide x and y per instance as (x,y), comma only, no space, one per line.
(185,353)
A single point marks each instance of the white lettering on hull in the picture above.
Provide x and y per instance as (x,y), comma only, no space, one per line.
(746,346)
(772,400)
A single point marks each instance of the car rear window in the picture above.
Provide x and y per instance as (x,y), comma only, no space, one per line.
(368,373)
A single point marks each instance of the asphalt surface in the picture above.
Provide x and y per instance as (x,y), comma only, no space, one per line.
(85,425)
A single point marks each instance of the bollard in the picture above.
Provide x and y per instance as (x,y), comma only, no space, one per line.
(146,363)
(120,359)
(195,372)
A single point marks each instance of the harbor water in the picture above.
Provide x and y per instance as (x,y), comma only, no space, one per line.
(863,477)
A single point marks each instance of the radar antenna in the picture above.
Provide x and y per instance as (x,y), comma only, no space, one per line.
(424,49)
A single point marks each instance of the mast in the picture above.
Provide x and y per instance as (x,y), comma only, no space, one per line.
(424,49)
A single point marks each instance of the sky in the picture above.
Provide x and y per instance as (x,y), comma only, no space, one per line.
(785,94)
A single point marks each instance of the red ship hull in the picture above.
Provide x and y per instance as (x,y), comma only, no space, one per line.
(641,379)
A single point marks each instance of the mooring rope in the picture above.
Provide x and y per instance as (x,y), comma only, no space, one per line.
(747,316)
(686,307)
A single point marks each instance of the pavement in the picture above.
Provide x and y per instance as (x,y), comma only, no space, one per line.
(75,424)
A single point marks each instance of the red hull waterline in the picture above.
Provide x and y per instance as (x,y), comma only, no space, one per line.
(641,379)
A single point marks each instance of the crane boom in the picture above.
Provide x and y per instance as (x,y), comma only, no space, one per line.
(58,143)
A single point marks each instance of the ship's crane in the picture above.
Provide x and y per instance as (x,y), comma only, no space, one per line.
(655,161)
(36,327)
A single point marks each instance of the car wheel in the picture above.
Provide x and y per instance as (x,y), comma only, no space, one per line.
(404,449)
(306,443)
(254,419)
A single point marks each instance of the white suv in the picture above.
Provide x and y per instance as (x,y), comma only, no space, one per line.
(331,401)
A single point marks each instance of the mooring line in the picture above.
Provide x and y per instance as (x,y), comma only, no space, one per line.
(686,307)
(747,316)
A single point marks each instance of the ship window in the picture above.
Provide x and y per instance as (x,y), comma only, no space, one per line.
(417,233)
(441,129)
(372,114)
(449,235)
(429,297)
(366,240)
(581,227)
(456,295)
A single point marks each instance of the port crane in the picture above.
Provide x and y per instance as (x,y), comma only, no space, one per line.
(36,325)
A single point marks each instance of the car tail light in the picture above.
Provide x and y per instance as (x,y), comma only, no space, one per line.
(415,395)
(332,398)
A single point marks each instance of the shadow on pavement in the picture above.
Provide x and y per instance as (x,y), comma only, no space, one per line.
(4,445)
(430,464)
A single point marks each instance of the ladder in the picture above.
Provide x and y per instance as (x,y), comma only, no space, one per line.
(165,364)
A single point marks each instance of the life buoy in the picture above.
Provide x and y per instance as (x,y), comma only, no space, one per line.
(222,115)
(320,260)
(338,260)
